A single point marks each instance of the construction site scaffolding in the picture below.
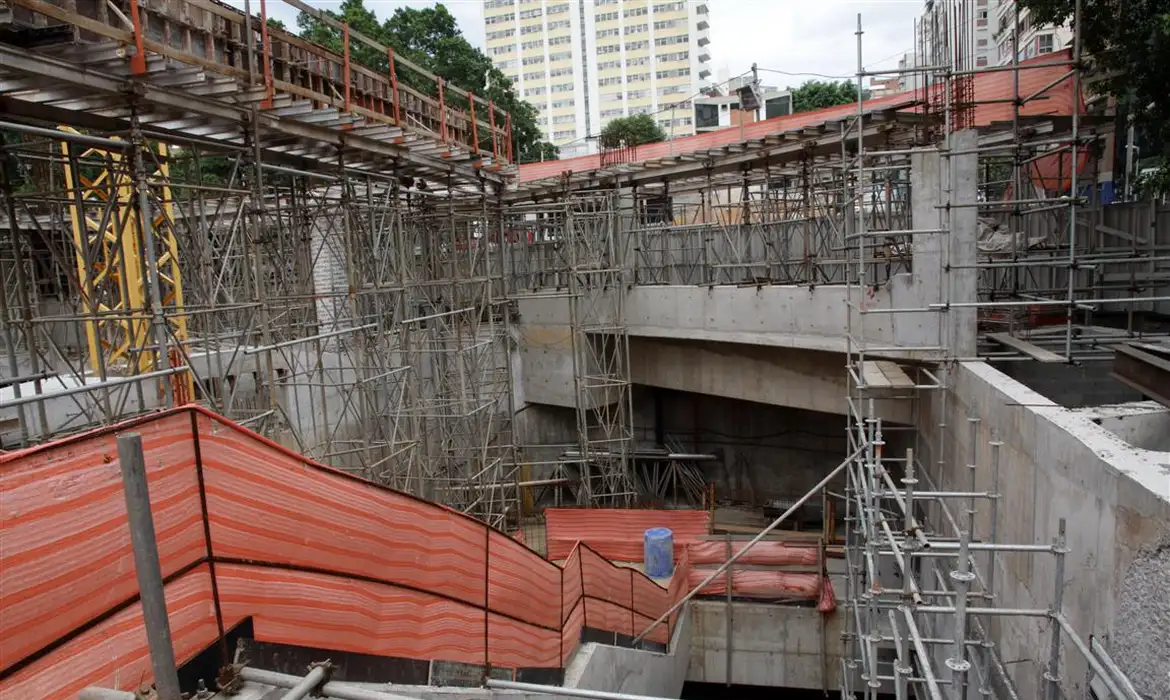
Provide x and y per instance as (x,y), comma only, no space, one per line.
(990,237)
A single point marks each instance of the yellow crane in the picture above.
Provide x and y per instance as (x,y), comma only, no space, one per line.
(112,268)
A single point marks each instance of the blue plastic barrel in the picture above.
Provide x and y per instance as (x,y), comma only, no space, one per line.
(659,552)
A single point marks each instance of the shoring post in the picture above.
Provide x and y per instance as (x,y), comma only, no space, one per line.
(346,64)
(1052,674)
(266,54)
(394,86)
(137,61)
(961,578)
(474,127)
(508,138)
(442,110)
(495,136)
(151,593)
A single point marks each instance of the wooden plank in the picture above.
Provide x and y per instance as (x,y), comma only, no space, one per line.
(1030,349)
(883,374)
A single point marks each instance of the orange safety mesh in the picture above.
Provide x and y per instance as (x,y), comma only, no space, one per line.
(763,554)
(759,584)
(314,556)
(618,534)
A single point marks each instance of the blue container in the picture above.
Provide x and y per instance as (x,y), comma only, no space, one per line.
(659,552)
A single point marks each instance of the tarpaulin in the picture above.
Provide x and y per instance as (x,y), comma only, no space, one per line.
(313,556)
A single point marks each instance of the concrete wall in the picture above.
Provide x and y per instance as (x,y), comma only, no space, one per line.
(633,671)
(1144,424)
(1057,463)
(772,645)
(804,379)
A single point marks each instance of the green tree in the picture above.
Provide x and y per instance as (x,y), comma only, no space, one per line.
(632,131)
(430,38)
(1127,45)
(818,94)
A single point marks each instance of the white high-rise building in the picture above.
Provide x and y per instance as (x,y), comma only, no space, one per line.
(583,63)
(959,33)
(1035,39)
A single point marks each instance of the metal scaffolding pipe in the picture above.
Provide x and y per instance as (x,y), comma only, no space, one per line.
(331,689)
(308,684)
(566,692)
(151,594)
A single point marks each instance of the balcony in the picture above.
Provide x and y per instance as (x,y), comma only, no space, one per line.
(703,23)
(703,40)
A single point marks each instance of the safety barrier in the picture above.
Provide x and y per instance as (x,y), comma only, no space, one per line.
(795,570)
(247,529)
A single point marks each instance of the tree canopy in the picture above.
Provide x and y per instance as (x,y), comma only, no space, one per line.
(1128,46)
(430,38)
(818,94)
(632,131)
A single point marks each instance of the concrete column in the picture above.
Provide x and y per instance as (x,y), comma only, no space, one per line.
(936,182)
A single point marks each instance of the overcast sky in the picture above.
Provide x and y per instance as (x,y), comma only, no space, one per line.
(793,36)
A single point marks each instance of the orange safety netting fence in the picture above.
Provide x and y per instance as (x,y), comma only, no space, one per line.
(618,534)
(247,529)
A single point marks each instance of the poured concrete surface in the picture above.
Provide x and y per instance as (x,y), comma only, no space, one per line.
(633,671)
(771,645)
(1057,463)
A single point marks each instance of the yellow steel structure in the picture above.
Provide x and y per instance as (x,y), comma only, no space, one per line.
(112,268)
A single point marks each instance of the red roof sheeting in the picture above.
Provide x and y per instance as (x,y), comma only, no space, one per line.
(996,85)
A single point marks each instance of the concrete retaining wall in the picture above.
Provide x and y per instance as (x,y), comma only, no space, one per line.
(772,645)
(1057,463)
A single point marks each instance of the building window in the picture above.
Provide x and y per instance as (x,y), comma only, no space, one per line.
(611,97)
(560,40)
(679,56)
(557,9)
(1044,44)
(560,104)
(634,12)
(981,61)
(529,14)
(637,45)
(667,24)
(637,77)
(498,3)
(610,81)
(609,48)
(673,73)
(562,87)
(638,61)
(502,34)
(611,113)
(530,44)
(539,90)
(563,135)
(668,40)
(499,19)
(981,42)
(560,56)
(606,16)
(637,28)
(637,94)
(558,72)
(564,118)
(559,24)
(534,76)
(531,29)
(603,33)
(500,50)
(672,90)
(606,65)
(533,60)
(670,7)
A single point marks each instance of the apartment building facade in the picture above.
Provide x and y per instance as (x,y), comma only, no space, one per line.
(584,63)
(1036,39)
(959,33)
